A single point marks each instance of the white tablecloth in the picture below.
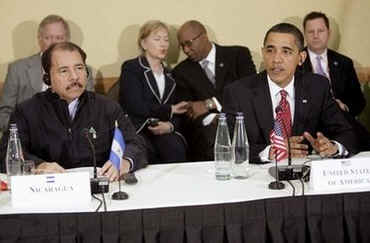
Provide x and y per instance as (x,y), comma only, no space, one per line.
(187,184)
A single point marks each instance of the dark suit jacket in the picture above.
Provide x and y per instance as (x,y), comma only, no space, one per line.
(344,81)
(315,110)
(139,94)
(232,63)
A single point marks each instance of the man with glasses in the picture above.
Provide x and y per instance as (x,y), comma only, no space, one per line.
(201,79)
(24,78)
(54,125)
(296,106)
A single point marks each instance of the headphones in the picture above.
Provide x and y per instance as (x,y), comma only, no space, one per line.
(46,59)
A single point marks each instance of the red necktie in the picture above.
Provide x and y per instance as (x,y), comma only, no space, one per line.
(285,114)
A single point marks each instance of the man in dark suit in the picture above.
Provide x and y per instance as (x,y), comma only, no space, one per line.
(201,79)
(24,78)
(338,69)
(314,118)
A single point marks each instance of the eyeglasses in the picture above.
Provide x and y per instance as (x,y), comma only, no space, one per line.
(189,43)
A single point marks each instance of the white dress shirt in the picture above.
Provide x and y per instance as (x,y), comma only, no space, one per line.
(160,80)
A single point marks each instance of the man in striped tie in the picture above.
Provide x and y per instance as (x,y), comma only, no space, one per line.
(282,105)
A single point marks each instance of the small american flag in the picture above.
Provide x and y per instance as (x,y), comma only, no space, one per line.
(277,140)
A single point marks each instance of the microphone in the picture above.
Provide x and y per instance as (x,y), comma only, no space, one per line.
(86,133)
(289,172)
(101,184)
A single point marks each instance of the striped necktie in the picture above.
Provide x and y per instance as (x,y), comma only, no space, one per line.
(208,72)
(284,114)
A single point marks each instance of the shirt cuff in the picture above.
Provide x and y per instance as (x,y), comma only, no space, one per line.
(342,151)
(131,161)
(218,105)
(208,119)
(264,154)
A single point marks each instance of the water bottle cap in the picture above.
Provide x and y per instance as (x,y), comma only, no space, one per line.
(12,126)
(222,115)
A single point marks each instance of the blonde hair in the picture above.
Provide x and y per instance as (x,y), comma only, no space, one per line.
(148,28)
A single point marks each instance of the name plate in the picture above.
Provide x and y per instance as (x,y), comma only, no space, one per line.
(59,192)
(341,174)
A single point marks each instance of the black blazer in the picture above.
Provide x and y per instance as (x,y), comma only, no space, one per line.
(315,110)
(232,63)
(139,94)
(344,81)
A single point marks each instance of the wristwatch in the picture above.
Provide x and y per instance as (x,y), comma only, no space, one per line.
(209,104)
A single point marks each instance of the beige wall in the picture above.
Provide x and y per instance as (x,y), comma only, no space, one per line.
(107,29)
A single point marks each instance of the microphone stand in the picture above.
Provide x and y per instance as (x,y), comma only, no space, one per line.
(98,185)
(120,195)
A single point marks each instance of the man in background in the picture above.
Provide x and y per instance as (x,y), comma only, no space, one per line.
(24,78)
(201,79)
(337,68)
(339,71)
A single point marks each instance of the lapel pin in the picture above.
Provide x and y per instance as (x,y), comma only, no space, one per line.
(335,63)
(221,64)
(304,101)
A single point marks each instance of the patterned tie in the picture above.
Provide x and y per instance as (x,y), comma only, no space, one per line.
(208,72)
(284,113)
(319,69)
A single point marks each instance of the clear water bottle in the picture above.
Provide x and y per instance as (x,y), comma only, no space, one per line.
(14,155)
(222,149)
(240,149)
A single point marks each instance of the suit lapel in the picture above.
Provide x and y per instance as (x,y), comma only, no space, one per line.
(35,73)
(220,68)
(301,105)
(169,88)
(263,105)
(149,78)
(333,68)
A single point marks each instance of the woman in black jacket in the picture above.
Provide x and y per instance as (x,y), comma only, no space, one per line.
(147,94)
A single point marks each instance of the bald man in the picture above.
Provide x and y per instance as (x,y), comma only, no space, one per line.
(201,79)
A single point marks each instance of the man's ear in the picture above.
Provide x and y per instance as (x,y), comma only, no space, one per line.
(302,57)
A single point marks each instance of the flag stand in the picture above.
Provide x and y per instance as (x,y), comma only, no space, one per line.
(120,195)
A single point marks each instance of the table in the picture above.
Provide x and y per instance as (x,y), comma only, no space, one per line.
(184,203)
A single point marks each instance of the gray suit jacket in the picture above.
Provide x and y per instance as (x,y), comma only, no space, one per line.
(24,79)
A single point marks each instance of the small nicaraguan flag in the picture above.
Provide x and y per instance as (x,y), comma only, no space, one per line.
(118,147)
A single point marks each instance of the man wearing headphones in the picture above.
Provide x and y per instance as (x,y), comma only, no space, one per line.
(24,78)
(54,125)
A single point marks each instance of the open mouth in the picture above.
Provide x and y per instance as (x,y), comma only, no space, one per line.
(277,70)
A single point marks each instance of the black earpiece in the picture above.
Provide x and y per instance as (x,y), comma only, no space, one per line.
(46,79)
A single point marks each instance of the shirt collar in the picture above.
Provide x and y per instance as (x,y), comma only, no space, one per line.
(72,107)
(211,58)
(313,55)
(275,89)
